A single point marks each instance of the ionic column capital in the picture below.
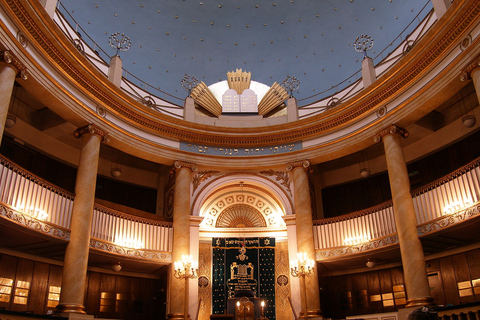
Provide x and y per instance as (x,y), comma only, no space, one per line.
(392,129)
(472,66)
(299,164)
(92,129)
(13,62)
(182,164)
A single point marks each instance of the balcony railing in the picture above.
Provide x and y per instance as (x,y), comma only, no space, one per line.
(45,207)
(455,195)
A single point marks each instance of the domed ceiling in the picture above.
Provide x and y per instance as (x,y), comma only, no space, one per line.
(312,40)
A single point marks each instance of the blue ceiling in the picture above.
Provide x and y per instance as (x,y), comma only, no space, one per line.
(309,39)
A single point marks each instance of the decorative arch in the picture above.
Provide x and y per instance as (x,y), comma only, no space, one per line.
(240,216)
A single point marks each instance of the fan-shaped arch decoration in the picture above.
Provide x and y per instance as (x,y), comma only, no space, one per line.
(240,216)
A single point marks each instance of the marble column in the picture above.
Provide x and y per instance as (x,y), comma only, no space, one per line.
(76,254)
(413,260)
(304,223)
(10,68)
(181,236)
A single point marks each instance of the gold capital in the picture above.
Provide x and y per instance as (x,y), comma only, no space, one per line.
(467,72)
(392,129)
(92,129)
(302,163)
(7,57)
(181,164)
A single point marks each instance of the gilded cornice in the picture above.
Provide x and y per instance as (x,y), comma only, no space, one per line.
(392,129)
(91,129)
(422,57)
(12,61)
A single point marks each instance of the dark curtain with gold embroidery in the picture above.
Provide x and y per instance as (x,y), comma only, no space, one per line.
(243,267)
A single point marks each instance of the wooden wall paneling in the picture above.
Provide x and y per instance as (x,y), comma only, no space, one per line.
(473,258)
(92,301)
(398,286)
(8,268)
(331,305)
(449,281)
(386,288)
(37,301)
(137,299)
(107,295)
(360,293)
(122,295)
(54,280)
(23,281)
(464,281)
(374,292)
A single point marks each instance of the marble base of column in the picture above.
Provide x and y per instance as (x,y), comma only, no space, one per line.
(420,302)
(177,316)
(65,309)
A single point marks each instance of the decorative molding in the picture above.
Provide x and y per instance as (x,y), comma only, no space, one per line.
(181,164)
(282,281)
(467,72)
(392,129)
(37,180)
(449,220)
(250,186)
(33,223)
(156,256)
(134,218)
(92,129)
(298,164)
(362,247)
(449,34)
(7,57)
(279,176)
(202,176)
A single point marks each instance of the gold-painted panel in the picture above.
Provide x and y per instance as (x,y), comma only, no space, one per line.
(4,297)
(476,290)
(398,288)
(107,302)
(106,309)
(465,292)
(376,297)
(52,303)
(54,289)
(106,295)
(6,281)
(21,292)
(122,296)
(347,294)
(23,284)
(387,296)
(400,294)
(5,289)
(54,296)
(464,284)
(388,303)
(400,302)
(476,282)
(20,300)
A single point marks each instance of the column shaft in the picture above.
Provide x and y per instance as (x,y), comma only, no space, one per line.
(304,223)
(7,79)
(181,239)
(415,273)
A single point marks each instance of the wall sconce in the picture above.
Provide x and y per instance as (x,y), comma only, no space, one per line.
(117,267)
(11,121)
(116,172)
(371,263)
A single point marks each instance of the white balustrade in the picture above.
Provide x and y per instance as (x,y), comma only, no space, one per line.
(448,196)
(38,199)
